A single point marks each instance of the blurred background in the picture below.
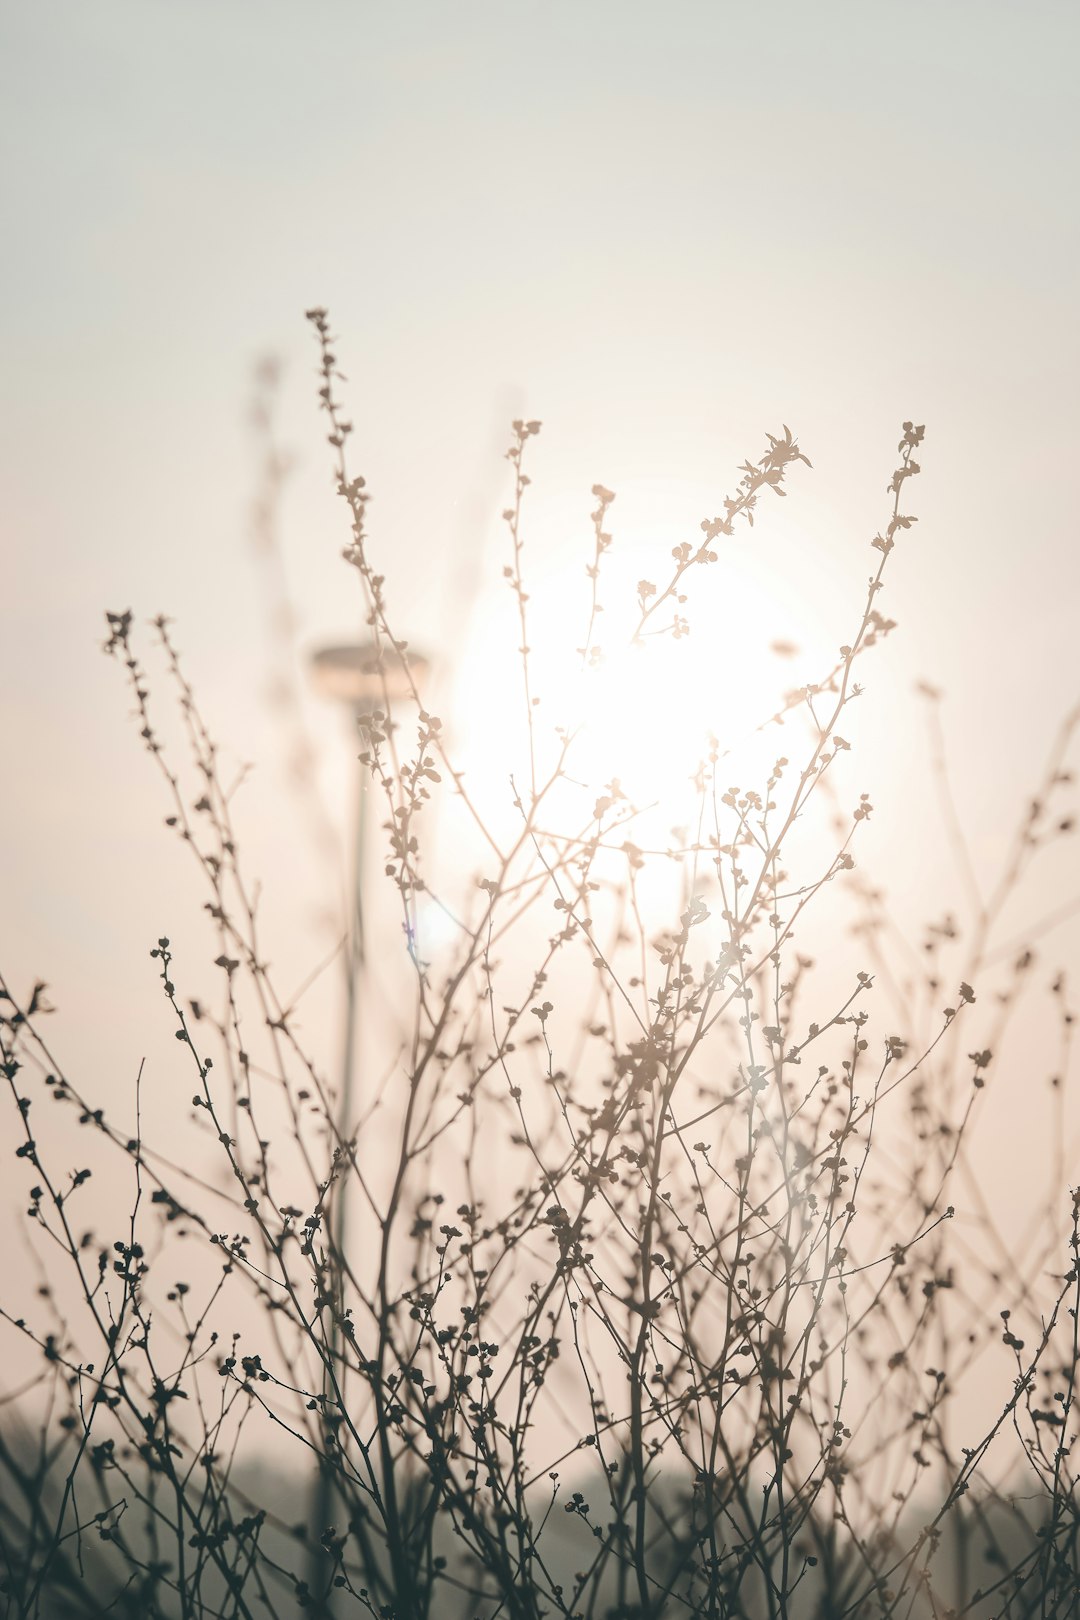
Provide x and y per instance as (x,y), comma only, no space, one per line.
(664,231)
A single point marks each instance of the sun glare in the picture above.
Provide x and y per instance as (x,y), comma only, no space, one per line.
(646,713)
(650,713)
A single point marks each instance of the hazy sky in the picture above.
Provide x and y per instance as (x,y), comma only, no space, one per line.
(663,229)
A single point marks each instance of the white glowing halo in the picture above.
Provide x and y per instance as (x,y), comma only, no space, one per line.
(646,712)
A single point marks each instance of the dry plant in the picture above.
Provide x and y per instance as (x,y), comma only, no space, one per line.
(652,1300)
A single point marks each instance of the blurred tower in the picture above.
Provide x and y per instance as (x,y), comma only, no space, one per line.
(364,677)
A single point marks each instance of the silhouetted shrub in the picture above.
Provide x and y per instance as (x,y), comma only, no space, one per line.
(650,1300)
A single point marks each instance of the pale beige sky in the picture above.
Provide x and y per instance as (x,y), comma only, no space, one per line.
(662,229)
